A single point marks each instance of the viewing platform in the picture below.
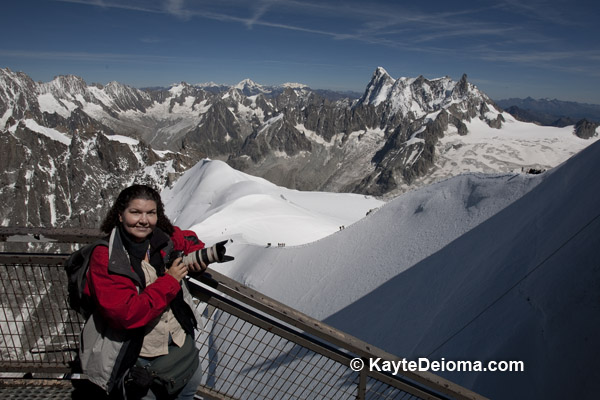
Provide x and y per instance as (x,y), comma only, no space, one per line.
(251,346)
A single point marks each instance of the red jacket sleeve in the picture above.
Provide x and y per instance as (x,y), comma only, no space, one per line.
(186,241)
(117,296)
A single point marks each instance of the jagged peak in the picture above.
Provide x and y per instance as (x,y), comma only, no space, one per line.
(115,84)
(380,71)
(417,95)
(17,78)
(462,86)
(381,76)
(378,88)
(248,87)
(247,83)
(7,73)
(64,85)
(116,89)
(294,85)
(176,89)
(419,80)
(69,80)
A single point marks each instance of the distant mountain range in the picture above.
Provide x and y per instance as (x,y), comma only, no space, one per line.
(550,112)
(250,88)
(69,147)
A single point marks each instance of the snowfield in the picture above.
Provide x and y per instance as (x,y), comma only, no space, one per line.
(480,267)
(515,147)
(218,202)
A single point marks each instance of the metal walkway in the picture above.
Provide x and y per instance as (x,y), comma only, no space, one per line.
(252,347)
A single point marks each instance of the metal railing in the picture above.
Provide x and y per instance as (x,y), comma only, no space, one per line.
(251,346)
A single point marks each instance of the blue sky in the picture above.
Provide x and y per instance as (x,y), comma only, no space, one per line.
(508,48)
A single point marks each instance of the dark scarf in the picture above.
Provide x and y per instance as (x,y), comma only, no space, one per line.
(137,251)
(157,240)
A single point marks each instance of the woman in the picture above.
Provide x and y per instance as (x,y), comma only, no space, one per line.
(143,312)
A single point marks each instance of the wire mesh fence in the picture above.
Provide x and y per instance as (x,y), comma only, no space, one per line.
(247,354)
(243,360)
(37,329)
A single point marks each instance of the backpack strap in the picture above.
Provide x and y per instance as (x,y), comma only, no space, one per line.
(77,267)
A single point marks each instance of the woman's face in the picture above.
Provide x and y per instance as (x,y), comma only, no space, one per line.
(139,218)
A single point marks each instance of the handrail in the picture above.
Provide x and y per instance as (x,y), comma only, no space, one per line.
(40,234)
(235,313)
(314,343)
(326,332)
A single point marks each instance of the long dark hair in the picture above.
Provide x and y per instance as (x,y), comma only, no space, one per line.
(125,197)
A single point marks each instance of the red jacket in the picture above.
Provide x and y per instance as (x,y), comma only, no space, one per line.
(117,295)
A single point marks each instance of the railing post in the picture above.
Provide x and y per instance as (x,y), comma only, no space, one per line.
(362,382)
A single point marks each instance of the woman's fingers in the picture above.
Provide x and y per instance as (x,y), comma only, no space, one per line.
(178,270)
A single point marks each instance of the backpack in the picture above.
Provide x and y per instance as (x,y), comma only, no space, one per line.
(76,268)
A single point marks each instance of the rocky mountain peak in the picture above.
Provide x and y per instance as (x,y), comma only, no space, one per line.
(380,72)
(247,83)
(65,86)
(18,95)
(419,96)
(291,135)
(10,79)
(251,88)
(378,88)
(586,129)
(181,90)
(126,97)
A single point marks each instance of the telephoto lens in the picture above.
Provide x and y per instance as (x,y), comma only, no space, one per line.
(215,253)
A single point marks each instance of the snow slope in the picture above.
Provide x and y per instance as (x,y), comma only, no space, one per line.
(521,286)
(477,267)
(323,277)
(218,202)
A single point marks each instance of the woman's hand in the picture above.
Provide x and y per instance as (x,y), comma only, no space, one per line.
(195,267)
(178,270)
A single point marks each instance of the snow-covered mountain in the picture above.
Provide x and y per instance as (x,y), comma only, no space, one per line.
(219,203)
(69,140)
(478,267)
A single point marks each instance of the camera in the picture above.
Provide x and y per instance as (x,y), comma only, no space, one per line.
(175,254)
(215,253)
